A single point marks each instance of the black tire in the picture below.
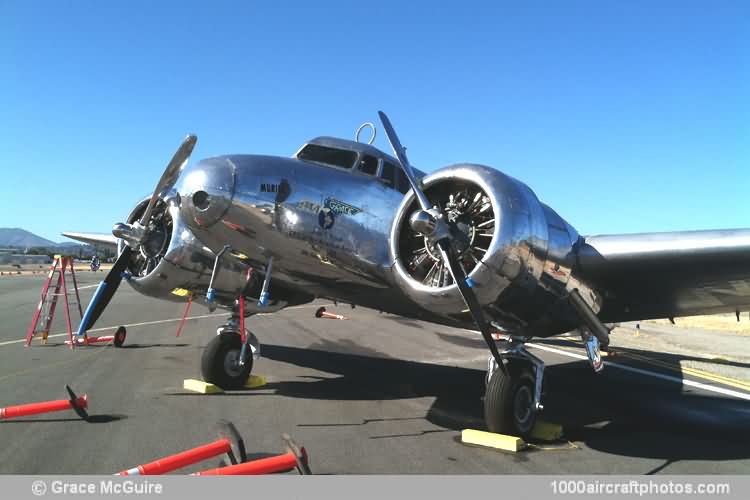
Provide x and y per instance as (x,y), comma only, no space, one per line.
(120,335)
(508,402)
(218,357)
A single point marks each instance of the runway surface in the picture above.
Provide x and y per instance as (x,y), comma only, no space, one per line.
(375,394)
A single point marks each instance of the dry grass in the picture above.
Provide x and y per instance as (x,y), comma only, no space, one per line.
(720,322)
(26,269)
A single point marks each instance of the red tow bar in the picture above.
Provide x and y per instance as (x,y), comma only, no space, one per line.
(294,458)
(270,465)
(79,404)
(322,313)
(180,460)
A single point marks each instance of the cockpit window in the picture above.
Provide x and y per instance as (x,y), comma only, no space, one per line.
(328,156)
(403,182)
(368,165)
(388,174)
(393,177)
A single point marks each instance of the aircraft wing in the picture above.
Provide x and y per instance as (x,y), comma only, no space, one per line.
(661,275)
(99,239)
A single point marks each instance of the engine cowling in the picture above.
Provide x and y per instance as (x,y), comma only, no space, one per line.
(172,260)
(502,235)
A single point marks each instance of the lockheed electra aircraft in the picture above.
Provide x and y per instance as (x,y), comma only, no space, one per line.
(465,246)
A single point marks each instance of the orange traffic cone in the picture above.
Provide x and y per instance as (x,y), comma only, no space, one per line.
(322,313)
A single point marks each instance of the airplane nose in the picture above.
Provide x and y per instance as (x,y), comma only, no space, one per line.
(206,190)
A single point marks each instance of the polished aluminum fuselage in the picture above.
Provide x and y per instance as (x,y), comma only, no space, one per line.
(264,206)
(348,261)
(333,233)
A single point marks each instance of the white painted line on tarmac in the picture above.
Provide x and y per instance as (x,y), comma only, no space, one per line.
(641,371)
(93,330)
(146,323)
(88,286)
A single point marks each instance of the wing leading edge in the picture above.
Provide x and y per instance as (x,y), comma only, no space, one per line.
(659,275)
(97,239)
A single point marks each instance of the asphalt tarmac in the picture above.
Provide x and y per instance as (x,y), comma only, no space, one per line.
(377,394)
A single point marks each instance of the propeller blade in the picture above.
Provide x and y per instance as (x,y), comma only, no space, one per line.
(444,241)
(400,152)
(470,299)
(104,292)
(170,173)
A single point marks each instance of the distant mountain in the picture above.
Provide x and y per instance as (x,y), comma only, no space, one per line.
(17,237)
(21,238)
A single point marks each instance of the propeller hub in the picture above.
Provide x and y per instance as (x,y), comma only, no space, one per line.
(423,222)
(132,234)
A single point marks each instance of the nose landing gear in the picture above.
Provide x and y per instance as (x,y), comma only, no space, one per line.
(228,358)
(226,361)
(220,362)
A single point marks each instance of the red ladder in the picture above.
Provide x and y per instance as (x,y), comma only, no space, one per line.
(48,302)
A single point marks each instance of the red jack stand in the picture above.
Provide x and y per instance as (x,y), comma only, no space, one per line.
(185,315)
(118,339)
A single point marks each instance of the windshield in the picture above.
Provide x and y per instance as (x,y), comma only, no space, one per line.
(328,156)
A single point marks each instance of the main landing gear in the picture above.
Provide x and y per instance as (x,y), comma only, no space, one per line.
(513,396)
(227,361)
(514,390)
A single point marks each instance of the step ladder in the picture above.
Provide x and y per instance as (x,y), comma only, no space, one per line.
(45,311)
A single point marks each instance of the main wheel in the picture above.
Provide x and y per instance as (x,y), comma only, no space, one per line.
(219,363)
(509,402)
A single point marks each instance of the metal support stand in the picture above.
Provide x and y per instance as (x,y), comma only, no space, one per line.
(211,292)
(266,283)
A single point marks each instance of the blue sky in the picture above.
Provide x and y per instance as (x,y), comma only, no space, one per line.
(623,116)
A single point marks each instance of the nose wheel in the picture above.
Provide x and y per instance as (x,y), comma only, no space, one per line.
(220,363)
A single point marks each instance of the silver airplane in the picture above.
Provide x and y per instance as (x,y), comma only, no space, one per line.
(465,246)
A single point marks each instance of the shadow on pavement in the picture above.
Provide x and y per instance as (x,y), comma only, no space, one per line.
(616,412)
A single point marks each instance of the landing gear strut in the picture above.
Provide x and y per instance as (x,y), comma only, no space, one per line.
(513,396)
(228,359)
